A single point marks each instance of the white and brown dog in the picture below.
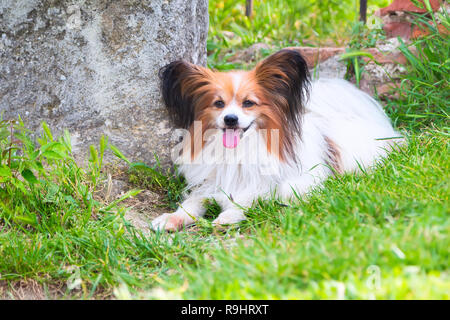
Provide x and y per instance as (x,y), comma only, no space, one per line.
(265,132)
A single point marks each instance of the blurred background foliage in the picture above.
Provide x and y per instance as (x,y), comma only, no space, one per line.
(281,23)
(291,21)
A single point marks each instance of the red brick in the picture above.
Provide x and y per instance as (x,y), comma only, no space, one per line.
(407,5)
(398,29)
(421,32)
(317,55)
(387,89)
(386,57)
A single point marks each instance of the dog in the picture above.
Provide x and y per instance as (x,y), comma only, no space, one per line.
(267,132)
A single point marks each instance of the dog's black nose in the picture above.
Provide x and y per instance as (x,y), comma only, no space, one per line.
(231,120)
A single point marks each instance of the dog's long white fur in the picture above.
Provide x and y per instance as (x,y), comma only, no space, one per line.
(336,109)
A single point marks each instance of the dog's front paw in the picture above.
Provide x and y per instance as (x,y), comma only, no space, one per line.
(229,216)
(167,222)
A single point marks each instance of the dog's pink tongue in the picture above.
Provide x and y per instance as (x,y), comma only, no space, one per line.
(230,138)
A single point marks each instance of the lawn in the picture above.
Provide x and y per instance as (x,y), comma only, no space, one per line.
(382,234)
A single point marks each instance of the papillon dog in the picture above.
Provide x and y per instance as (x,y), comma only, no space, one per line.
(267,132)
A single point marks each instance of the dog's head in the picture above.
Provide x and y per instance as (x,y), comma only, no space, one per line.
(271,96)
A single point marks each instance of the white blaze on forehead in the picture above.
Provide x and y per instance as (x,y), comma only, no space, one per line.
(234,107)
(237,80)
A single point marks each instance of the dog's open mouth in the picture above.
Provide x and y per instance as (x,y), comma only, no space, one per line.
(231,137)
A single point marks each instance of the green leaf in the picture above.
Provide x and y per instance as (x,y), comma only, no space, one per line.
(5,171)
(52,193)
(142,166)
(4,133)
(15,164)
(67,140)
(52,155)
(354,54)
(28,175)
(70,199)
(25,219)
(47,131)
(118,154)
(36,165)
(94,154)
(129,194)
(139,165)
(103,144)
(54,146)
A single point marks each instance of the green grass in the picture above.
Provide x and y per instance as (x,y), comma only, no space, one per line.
(424,95)
(166,182)
(279,23)
(379,234)
(285,21)
(393,220)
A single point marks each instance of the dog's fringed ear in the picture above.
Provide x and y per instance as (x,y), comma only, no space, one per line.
(179,82)
(285,77)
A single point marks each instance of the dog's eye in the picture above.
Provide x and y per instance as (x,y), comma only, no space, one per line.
(219,104)
(248,104)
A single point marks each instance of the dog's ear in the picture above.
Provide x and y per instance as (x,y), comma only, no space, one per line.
(284,76)
(180,82)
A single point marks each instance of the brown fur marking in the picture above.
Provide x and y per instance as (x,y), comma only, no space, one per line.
(334,156)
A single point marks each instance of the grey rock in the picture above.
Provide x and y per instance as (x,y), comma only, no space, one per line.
(91,66)
(330,68)
(251,53)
